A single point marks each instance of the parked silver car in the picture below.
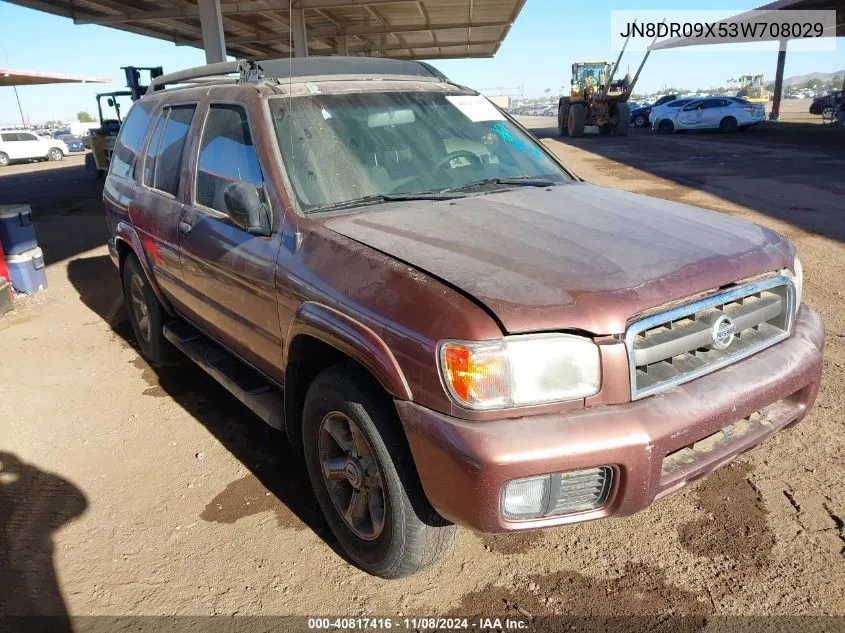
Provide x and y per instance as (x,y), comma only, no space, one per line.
(725,114)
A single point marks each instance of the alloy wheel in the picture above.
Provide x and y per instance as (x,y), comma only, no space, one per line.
(352,475)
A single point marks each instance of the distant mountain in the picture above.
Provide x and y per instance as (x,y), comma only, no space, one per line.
(800,80)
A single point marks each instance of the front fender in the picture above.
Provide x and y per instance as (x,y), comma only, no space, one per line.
(127,234)
(353,339)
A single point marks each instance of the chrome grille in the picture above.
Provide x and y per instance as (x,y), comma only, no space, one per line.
(673,347)
(580,490)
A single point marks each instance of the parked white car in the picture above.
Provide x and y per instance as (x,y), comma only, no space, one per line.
(670,107)
(28,146)
(726,114)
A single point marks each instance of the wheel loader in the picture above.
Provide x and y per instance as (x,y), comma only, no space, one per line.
(753,88)
(100,141)
(596,98)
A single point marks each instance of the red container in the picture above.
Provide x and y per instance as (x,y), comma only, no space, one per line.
(4,271)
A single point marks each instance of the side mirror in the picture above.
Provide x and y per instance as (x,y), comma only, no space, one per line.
(110,101)
(244,206)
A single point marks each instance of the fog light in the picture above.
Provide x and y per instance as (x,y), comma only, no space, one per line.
(557,494)
(526,498)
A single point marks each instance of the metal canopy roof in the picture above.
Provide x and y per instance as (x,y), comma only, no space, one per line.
(13,77)
(400,29)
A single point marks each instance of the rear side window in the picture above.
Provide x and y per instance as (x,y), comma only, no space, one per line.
(163,164)
(226,155)
(10,137)
(131,138)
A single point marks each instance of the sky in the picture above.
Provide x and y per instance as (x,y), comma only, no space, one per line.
(546,38)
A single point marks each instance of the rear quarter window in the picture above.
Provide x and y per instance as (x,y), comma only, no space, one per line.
(131,138)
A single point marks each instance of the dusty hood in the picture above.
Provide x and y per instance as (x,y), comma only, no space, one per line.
(575,256)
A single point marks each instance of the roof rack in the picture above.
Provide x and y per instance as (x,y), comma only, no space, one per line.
(299,68)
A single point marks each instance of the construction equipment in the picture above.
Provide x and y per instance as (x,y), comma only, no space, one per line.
(101,140)
(596,98)
(753,88)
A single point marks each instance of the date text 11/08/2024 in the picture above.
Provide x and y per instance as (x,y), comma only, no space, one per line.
(420,623)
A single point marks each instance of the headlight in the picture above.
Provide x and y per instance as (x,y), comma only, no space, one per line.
(520,370)
(797,277)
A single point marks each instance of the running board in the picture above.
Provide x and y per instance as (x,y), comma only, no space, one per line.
(240,380)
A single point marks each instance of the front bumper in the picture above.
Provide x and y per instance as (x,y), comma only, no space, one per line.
(464,465)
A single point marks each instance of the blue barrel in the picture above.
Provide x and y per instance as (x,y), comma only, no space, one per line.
(27,271)
(17,232)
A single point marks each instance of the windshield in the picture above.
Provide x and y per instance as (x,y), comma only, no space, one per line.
(70,139)
(341,148)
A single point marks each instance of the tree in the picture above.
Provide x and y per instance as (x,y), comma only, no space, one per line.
(84,117)
(813,84)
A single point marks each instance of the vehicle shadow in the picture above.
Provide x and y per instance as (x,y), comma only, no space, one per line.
(265,452)
(66,203)
(33,505)
(791,172)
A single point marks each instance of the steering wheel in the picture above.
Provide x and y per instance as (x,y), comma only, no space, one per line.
(472,157)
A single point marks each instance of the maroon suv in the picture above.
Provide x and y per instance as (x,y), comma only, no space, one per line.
(450,325)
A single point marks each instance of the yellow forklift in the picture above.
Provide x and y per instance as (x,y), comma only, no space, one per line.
(100,141)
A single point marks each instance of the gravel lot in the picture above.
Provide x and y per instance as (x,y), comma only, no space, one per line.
(130,491)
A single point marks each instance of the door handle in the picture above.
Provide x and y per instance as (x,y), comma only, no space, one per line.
(184,227)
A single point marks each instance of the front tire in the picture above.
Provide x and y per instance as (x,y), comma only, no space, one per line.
(55,154)
(665,126)
(91,167)
(577,119)
(640,121)
(370,494)
(623,119)
(145,311)
(562,121)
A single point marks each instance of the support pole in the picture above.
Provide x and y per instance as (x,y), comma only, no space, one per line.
(774,115)
(211,22)
(341,45)
(297,25)
(841,112)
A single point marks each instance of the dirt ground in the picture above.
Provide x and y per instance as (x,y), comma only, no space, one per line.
(127,491)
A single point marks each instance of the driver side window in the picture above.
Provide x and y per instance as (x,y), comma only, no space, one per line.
(227,155)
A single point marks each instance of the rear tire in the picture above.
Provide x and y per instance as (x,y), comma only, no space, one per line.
(4,159)
(665,126)
(640,121)
(577,118)
(395,532)
(728,124)
(145,311)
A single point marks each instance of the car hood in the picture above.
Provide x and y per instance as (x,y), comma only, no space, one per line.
(574,256)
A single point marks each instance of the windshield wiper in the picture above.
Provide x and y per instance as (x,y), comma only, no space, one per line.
(521,181)
(378,198)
